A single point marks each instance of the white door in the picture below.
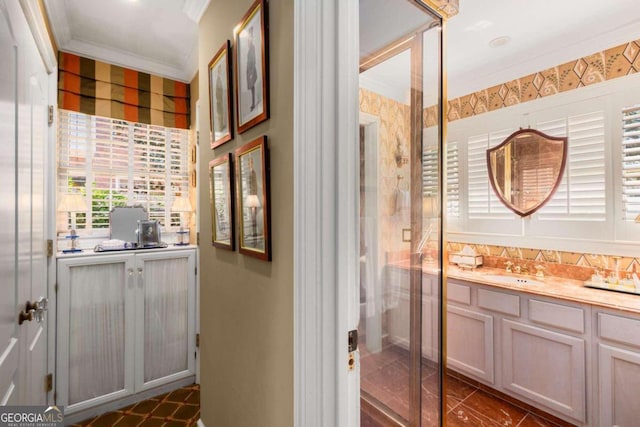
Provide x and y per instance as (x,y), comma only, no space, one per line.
(8,309)
(23,91)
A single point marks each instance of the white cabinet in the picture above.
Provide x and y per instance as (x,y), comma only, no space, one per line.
(618,370)
(126,323)
(528,347)
(397,305)
(545,366)
(470,343)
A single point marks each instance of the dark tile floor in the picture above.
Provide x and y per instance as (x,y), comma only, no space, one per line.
(180,408)
(385,379)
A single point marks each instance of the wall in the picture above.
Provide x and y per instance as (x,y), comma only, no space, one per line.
(246,306)
(607,79)
(393,121)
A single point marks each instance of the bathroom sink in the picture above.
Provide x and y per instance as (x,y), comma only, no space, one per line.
(512,280)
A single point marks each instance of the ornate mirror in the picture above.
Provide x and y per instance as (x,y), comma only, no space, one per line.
(526,169)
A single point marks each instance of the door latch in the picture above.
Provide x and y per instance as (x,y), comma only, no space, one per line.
(353,340)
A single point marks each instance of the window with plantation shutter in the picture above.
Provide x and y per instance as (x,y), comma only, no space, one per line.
(631,163)
(430,176)
(483,202)
(581,194)
(118,163)
(453,180)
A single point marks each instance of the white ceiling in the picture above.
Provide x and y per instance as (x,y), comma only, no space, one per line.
(543,33)
(154,36)
(160,36)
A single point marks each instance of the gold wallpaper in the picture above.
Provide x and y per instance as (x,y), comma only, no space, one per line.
(393,119)
(609,64)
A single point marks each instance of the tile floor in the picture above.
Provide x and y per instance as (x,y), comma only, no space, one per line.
(180,408)
(385,379)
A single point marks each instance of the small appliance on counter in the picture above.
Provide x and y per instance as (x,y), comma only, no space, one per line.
(130,228)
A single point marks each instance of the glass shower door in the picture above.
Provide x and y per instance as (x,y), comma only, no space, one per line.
(400,227)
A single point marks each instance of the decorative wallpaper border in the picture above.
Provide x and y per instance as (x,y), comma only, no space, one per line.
(619,61)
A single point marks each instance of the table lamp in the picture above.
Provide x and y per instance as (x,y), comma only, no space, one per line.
(253,203)
(181,205)
(72,203)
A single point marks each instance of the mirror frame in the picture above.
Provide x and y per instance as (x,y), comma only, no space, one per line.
(508,140)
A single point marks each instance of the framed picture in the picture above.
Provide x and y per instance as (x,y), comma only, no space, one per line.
(220,96)
(251,67)
(221,197)
(252,194)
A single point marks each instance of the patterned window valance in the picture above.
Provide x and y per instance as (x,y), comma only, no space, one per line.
(94,87)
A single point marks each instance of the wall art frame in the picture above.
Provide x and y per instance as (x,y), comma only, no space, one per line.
(221,197)
(253,199)
(220,95)
(251,65)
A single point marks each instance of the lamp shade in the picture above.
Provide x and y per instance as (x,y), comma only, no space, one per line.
(252,201)
(181,204)
(72,203)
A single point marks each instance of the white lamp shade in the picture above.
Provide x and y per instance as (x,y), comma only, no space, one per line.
(72,203)
(252,201)
(181,204)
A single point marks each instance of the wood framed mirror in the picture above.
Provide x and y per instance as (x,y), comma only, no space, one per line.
(525,170)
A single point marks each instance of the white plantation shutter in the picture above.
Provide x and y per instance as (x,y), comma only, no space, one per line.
(430,176)
(581,194)
(117,163)
(453,180)
(483,202)
(631,162)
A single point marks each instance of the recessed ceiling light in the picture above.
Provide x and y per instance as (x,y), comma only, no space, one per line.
(499,41)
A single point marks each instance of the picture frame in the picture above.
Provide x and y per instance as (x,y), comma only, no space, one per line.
(221,197)
(251,67)
(220,104)
(252,196)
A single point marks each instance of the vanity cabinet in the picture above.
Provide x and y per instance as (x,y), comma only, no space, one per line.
(397,308)
(618,354)
(521,345)
(544,366)
(126,323)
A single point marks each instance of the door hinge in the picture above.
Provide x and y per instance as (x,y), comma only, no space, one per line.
(48,383)
(196,271)
(198,238)
(49,248)
(55,287)
(50,115)
(55,397)
(197,340)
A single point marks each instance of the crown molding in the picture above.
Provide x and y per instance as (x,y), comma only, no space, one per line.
(58,19)
(38,26)
(126,60)
(183,72)
(194,9)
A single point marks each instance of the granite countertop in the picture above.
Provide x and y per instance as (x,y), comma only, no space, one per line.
(553,287)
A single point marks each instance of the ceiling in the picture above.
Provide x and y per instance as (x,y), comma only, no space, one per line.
(542,34)
(155,36)
(160,36)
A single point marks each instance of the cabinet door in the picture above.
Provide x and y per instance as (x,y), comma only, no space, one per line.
(619,381)
(95,337)
(165,324)
(470,343)
(546,367)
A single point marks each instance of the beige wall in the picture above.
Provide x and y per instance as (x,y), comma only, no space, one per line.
(246,305)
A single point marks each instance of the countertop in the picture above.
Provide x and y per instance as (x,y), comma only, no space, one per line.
(91,252)
(553,287)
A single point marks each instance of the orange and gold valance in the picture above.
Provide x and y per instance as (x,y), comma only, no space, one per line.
(94,87)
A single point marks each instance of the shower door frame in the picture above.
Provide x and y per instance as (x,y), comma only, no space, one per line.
(326,244)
